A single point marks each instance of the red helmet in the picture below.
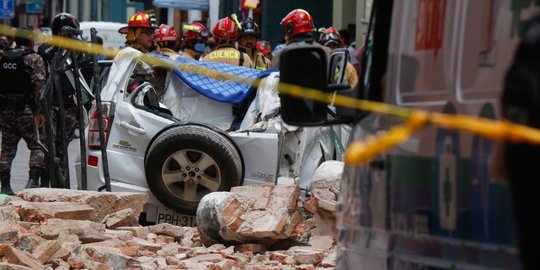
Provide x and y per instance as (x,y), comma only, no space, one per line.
(331,29)
(138,20)
(330,35)
(225,29)
(297,22)
(264,47)
(193,31)
(165,33)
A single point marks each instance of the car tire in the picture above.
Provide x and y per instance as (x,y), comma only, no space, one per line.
(187,162)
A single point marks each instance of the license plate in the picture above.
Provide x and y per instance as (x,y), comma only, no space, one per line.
(165,215)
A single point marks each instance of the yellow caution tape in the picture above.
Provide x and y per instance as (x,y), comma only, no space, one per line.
(358,152)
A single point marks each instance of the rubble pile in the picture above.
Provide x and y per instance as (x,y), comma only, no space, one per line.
(262,227)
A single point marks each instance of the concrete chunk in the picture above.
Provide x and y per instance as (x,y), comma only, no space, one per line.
(86,231)
(137,231)
(284,197)
(40,211)
(113,257)
(308,257)
(9,232)
(260,193)
(9,266)
(321,241)
(103,203)
(15,256)
(8,212)
(168,229)
(120,218)
(142,244)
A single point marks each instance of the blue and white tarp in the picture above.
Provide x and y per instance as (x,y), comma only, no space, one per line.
(209,79)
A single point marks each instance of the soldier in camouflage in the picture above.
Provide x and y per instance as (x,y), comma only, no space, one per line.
(48,52)
(23,73)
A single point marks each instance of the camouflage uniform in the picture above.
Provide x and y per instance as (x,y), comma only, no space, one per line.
(48,52)
(17,123)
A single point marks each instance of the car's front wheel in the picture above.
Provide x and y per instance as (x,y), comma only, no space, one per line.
(187,162)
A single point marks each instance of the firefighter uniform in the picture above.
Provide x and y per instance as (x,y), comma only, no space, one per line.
(226,53)
(259,60)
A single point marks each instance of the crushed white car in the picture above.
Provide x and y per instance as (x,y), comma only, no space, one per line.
(176,143)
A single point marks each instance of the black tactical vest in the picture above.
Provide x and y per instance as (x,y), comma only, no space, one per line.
(17,88)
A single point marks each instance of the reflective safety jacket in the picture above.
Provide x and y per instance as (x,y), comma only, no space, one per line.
(260,62)
(227,54)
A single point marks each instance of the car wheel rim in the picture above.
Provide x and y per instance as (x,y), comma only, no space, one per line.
(190,174)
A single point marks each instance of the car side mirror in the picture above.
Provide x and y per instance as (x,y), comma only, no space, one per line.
(305,67)
(338,63)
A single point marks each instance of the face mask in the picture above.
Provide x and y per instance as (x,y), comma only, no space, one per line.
(199,47)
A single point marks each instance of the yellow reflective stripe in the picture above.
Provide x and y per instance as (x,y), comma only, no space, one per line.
(227,54)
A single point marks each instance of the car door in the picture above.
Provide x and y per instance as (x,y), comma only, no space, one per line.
(133,127)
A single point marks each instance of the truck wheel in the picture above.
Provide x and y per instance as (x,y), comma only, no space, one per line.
(187,162)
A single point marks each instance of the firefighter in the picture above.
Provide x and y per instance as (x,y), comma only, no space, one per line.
(226,32)
(140,36)
(247,43)
(167,40)
(140,32)
(194,38)
(23,73)
(299,31)
(61,22)
(331,39)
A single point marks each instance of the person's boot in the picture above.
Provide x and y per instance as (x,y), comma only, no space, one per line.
(45,179)
(5,178)
(33,177)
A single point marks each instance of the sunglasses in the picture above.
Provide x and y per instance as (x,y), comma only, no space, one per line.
(147,32)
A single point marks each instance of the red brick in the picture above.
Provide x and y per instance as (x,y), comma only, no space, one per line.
(277,256)
(293,221)
(129,251)
(255,248)
(44,251)
(230,210)
(62,253)
(311,205)
(164,239)
(235,223)
(15,256)
(305,267)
